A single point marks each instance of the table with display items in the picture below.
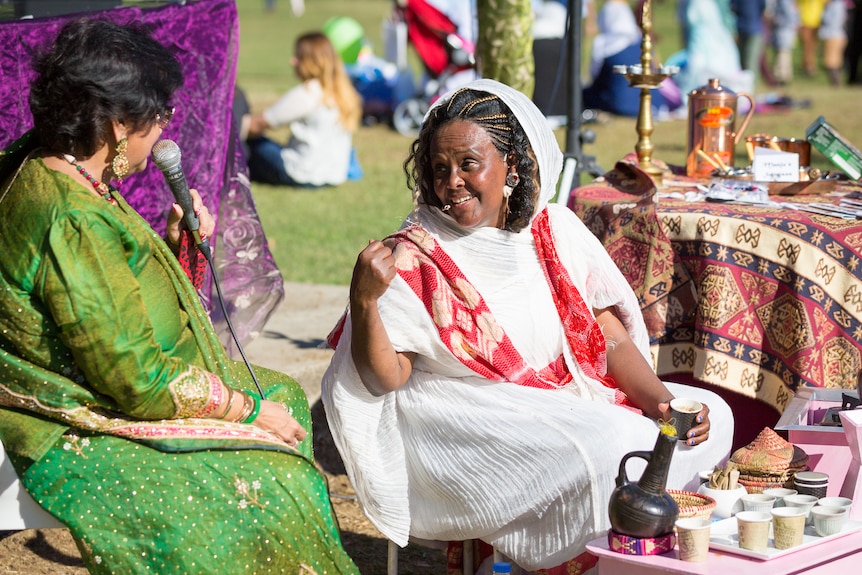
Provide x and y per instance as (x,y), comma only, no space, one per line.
(756,299)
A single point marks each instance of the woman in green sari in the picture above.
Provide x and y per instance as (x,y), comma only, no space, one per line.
(119,409)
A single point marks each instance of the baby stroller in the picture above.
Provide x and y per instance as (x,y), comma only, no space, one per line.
(443,52)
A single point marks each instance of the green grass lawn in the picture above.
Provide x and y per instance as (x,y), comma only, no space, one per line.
(315,235)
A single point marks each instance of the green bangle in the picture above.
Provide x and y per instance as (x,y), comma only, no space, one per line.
(255,410)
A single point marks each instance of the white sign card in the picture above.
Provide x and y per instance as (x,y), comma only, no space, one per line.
(771,165)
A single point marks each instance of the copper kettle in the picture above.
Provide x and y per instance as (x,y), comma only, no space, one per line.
(711,118)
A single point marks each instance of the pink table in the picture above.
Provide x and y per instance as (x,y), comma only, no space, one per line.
(833,557)
(826,446)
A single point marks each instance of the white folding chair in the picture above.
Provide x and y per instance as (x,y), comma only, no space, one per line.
(17,508)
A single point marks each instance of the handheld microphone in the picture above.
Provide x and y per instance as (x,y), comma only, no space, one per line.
(166,155)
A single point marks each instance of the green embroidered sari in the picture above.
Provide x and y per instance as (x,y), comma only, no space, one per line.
(109,368)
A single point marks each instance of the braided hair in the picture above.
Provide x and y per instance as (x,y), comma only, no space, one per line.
(488,111)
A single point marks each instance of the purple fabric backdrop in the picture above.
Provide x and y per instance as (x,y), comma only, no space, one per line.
(204,36)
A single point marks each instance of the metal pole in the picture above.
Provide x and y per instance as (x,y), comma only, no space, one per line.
(573,87)
(575,161)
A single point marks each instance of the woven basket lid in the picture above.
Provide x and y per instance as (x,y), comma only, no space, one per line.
(769,453)
(800,459)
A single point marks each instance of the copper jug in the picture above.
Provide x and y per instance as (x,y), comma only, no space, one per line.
(711,118)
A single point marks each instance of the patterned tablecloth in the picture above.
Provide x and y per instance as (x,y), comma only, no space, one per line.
(759,300)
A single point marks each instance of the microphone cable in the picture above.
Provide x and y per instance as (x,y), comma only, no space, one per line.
(208,256)
(167,157)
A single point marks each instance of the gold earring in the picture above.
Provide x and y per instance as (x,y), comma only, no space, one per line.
(120,163)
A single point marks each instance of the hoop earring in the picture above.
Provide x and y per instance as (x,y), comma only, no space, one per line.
(120,163)
(512,181)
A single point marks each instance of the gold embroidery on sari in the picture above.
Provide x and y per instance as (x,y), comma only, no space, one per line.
(76,444)
(248,493)
(193,392)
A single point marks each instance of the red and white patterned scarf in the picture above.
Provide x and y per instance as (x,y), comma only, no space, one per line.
(468,328)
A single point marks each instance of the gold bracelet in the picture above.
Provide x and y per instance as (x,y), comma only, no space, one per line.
(247,407)
(229,404)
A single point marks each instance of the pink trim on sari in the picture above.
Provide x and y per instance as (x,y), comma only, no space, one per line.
(196,429)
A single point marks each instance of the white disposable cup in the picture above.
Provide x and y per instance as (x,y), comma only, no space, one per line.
(828,520)
(753,530)
(692,535)
(779,493)
(806,502)
(843,502)
(757,502)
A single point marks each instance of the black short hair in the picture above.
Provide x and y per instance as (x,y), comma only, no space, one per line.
(491,113)
(97,71)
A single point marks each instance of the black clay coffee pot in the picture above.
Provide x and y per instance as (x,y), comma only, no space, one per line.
(645,509)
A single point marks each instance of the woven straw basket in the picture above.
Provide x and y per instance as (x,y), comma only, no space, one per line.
(755,484)
(768,461)
(692,504)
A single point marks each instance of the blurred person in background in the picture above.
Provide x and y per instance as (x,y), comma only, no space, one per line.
(749,32)
(810,16)
(617,43)
(783,21)
(322,112)
(833,34)
(681,8)
(711,51)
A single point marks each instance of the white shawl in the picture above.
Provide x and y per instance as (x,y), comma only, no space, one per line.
(453,456)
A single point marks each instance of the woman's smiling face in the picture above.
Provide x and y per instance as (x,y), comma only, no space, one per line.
(469,174)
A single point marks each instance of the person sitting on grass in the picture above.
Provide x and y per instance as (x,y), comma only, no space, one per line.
(322,113)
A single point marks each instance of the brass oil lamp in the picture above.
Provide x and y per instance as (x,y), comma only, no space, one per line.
(646,78)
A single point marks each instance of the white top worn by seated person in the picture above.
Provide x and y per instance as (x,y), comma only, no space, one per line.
(318,152)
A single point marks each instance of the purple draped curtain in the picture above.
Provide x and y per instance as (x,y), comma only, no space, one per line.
(204,36)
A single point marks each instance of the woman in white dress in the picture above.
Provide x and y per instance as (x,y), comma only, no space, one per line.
(492,369)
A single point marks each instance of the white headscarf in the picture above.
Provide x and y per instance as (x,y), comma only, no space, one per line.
(539,133)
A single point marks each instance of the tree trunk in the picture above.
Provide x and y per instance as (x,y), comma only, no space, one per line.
(504,47)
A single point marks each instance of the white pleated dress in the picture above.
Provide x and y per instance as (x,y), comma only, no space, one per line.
(453,456)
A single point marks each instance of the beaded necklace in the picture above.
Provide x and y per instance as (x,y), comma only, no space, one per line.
(103,189)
